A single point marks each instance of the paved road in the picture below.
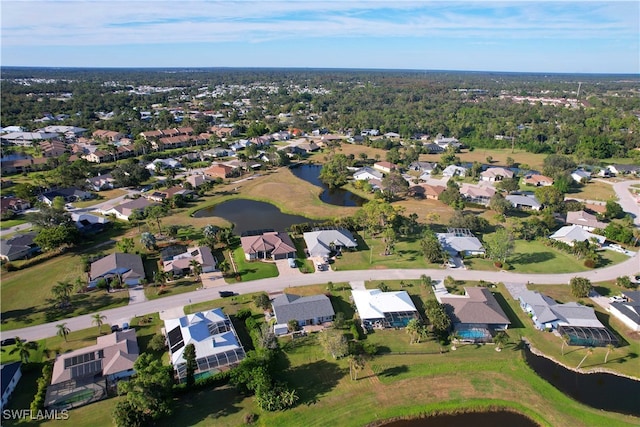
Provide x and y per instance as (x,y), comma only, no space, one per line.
(626,268)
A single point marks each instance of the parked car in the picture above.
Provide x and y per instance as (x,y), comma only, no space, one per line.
(225,294)
(125,326)
(115,328)
(617,298)
(292,263)
(7,341)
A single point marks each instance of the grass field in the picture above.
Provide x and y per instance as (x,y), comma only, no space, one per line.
(594,191)
(26,293)
(8,223)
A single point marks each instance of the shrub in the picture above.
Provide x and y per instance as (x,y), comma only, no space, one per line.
(498,264)
(157,343)
(243,314)
(250,418)
(589,263)
(355,331)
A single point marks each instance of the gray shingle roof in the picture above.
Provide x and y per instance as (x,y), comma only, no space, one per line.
(293,307)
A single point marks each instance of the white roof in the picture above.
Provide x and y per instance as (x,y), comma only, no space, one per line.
(319,242)
(373,303)
(195,330)
(570,233)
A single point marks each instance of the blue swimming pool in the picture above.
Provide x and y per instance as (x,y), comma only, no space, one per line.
(472,334)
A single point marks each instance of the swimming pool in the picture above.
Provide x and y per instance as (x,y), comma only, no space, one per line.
(472,334)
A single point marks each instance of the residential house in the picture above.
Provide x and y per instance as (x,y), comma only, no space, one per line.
(321,243)
(163,164)
(476,315)
(574,320)
(124,210)
(128,267)
(378,309)
(495,174)
(180,264)
(366,173)
(427,191)
(422,167)
(624,169)
(454,170)
(460,241)
(25,139)
(385,167)
(224,131)
(585,220)
(392,135)
(581,175)
(69,132)
(269,244)
(20,246)
(98,156)
(197,180)
(69,195)
(307,311)
(217,152)
(101,182)
(445,142)
(107,135)
(10,374)
(13,204)
(53,148)
(480,193)
(88,223)
(307,147)
(217,345)
(220,171)
(538,180)
(167,194)
(431,148)
(526,202)
(574,233)
(628,312)
(23,165)
(96,368)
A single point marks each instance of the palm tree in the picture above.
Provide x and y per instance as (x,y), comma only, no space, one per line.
(500,340)
(62,292)
(223,266)
(63,330)
(610,348)
(589,351)
(23,348)
(412,328)
(98,320)
(565,341)
(196,267)
(148,240)
(426,281)
(356,363)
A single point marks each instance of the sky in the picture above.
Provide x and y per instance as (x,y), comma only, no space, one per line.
(565,36)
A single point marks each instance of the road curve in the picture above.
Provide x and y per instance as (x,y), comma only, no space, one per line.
(276,284)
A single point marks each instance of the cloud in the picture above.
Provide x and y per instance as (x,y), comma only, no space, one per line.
(88,23)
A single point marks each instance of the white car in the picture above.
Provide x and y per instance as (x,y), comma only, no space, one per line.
(618,298)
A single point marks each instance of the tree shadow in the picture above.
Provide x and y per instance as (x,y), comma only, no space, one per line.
(362,244)
(604,319)
(394,371)
(20,315)
(531,258)
(602,290)
(204,406)
(513,317)
(314,380)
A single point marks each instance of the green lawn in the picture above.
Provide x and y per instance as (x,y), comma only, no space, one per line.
(8,223)
(26,293)
(253,270)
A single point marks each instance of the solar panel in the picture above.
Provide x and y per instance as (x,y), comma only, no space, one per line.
(86,369)
(76,360)
(176,341)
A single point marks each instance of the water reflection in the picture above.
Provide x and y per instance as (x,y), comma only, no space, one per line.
(252,215)
(337,196)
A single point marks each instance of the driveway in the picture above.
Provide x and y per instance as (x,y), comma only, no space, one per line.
(213,279)
(136,295)
(285,271)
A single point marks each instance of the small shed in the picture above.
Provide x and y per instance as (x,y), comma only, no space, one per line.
(280,329)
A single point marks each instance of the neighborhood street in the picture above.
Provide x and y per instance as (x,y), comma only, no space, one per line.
(278,284)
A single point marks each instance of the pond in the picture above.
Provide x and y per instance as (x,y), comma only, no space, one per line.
(335,196)
(475,419)
(252,215)
(599,390)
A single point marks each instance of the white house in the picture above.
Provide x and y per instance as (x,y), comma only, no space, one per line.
(574,233)
(460,241)
(321,243)
(580,175)
(214,338)
(366,173)
(11,374)
(453,170)
(628,312)
(378,309)
(181,263)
